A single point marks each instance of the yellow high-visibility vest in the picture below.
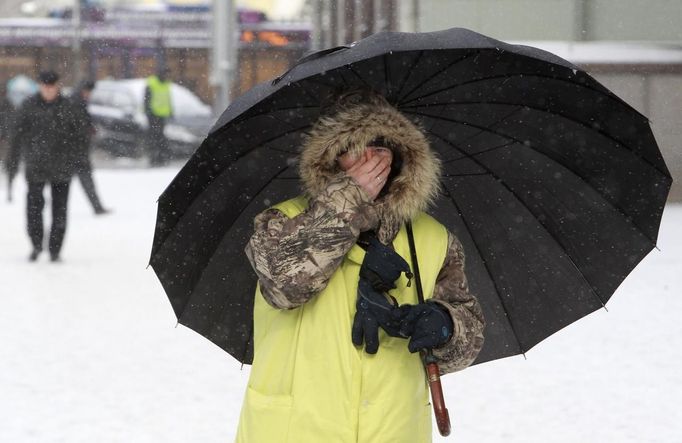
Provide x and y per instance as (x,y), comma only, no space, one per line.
(309,383)
(160,100)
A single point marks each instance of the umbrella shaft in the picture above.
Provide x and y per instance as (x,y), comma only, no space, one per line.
(432,371)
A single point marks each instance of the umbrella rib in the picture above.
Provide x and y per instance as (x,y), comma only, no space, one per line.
(520,200)
(272,148)
(520,74)
(471,174)
(481,131)
(350,68)
(269,111)
(345,82)
(558,114)
(308,93)
(607,200)
(270,140)
(279,119)
(318,81)
(315,80)
(387,80)
(485,151)
(409,73)
(487,268)
(435,74)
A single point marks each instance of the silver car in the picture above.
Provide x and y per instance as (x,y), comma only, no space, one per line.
(117,108)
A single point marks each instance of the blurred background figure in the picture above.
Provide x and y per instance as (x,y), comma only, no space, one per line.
(20,88)
(158,108)
(44,137)
(5,112)
(17,90)
(86,129)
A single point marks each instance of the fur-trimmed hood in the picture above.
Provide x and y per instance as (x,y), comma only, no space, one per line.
(351,126)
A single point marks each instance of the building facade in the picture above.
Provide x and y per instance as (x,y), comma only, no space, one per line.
(124,44)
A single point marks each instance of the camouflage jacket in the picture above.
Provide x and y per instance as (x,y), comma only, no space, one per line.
(295,259)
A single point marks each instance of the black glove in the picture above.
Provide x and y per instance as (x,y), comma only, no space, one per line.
(382,266)
(428,324)
(373,310)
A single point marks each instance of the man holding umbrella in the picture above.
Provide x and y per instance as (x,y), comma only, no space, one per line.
(329,267)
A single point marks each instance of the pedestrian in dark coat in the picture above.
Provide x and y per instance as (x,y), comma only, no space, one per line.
(83,137)
(44,139)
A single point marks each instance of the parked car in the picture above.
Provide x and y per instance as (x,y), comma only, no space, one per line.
(117,108)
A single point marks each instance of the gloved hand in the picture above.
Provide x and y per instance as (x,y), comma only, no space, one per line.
(373,310)
(427,324)
(382,266)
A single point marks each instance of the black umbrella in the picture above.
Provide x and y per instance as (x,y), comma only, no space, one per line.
(554,185)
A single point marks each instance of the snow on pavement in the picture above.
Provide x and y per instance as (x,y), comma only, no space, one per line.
(90,351)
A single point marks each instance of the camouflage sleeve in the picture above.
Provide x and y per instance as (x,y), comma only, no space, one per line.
(295,258)
(452,292)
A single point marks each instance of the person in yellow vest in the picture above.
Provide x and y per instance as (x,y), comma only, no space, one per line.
(158,108)
(335,358)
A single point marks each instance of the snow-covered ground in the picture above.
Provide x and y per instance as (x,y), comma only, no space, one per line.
(89,351)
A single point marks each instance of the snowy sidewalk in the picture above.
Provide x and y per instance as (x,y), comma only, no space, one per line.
(89,350)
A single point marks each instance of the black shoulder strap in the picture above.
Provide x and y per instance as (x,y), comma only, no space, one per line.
(415,263)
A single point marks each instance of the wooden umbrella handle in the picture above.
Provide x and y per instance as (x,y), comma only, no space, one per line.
(439,409)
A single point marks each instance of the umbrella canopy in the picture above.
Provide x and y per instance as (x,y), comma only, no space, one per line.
(554,185)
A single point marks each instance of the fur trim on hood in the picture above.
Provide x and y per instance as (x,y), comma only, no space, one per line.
(351,127)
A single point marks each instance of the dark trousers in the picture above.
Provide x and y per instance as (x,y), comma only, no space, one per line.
(34,212)
(157,144)
(85,177)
